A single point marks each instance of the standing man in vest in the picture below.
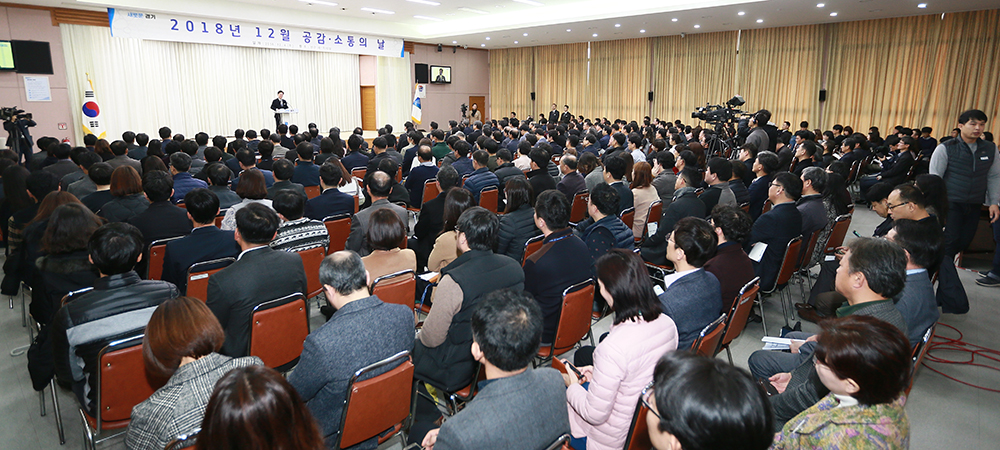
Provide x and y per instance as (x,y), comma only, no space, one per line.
(971,174)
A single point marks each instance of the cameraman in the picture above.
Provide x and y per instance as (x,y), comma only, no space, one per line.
(16,123)
(758,136)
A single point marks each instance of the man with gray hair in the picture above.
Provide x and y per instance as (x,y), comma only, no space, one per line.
(379,185)
(362,331)
(810,205)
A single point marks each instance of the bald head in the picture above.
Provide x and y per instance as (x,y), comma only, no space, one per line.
(379,185)
(567,164)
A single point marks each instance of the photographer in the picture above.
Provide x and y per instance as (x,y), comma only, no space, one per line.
(757,135)
(16,123)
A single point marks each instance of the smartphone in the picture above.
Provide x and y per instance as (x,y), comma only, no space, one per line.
(574,369)
(767,386)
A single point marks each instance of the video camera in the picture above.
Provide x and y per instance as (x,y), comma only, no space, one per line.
(718,114)
(12,114)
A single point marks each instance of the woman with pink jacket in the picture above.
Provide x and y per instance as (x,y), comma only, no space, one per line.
(600,413)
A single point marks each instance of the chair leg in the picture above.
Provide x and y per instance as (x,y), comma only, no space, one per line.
(729,354)
(24,311)
(41,402)
(11,298)
(55,408)
(784,310)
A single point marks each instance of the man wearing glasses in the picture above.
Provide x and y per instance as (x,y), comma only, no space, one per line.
(775,228)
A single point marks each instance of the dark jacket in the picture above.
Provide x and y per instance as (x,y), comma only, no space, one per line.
(733,268)
(516,227)
(606,234)
(226,196)
(740,191)
(306,173)
(123,208)
(562,261)
(119,305)
(774,228)
(162,220)
(685,204)
(286,184)
(357,240)
(571,184)
(60,274)
(203,244)
(918,305)
(813,213)
(354,160)
(184,182)
(416,180)
(625,198)
(261,274)
(758,194)
(896,174)
(692,301)
(361,333)
(330,203)
(480,179)
(540,181)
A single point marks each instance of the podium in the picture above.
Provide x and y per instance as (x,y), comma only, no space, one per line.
(285,113)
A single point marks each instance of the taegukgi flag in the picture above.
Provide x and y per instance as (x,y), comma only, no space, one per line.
(92,123)
(418,93)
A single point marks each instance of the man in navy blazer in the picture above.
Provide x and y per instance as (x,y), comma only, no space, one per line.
(331,202)
(162,219)
(765,166)
(306,173)
(776,227)
(205,243)
(692,296)
(420,174)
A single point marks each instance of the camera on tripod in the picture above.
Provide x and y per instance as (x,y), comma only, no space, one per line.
(719,114)
(13,113)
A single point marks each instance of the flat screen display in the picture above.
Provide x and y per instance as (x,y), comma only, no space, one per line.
(6,56)
(32,57)
(440,74)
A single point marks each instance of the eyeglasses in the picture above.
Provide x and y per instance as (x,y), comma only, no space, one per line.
(647,394)
(892,207)
(777,185)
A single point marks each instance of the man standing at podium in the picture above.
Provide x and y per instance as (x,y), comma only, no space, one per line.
(276,104)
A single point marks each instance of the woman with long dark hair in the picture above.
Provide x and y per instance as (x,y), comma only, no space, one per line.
(517,224)
(456,201)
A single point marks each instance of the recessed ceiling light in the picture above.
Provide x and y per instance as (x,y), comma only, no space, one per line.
(427,18)
(921,5)
(425,2)
(595,34)
(618,25)
(833,14)
(317,2)
(568,30)
(482,45)
(529,2)
(378,11)
(471,10)
(741,13)
(525,34)
(487,38)
(642,31)
(454,42)
(674,19)
(820,5)
(697,26)
(515,42)
(760,20)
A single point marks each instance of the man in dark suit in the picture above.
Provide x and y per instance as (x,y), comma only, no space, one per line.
(776,227)
(539,176)
(691,296)
(923,242)
(684,204)
(205,243)
(234,291)
(419,175)
(765,166)
(162,219)
(218,183)
(730,265)
(810,205)
(276,104)
(362,331)
(554,115)
(331,202)
(306,173)
(573,181)
(431,220)
(517,407)
(245,160)
(566,117)
(283,172)
(354,158)
(379,186)
(614,176)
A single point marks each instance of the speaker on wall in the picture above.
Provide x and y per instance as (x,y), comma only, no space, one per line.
(532,96)
(421,73)
(822,95)
(650,95)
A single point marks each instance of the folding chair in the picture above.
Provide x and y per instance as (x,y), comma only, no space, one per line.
(531,246)
(399,288)
(638,432)
(122,383)
(919,351)
(745,206)
(311,260)
(357,204)
(313,191)
(488,198)
(738,315)
(359,173)
(784,275)
(628,217)
(218,220)
(338,227)
(157,250)
(578,211)
(707,343)
(803,265)
(837,234)
(767,206)
(454,400)
(574,321)
(653,213)
(278,329)
(184,440)
(198,274)
(374,405)
(431,190)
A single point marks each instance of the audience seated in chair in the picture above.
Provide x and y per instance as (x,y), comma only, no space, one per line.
(180,164)
(572,181)
(283,171)
(258,275)
(331,202)
(252,190)
(100,175)
(161,219)
(378,186)
(923,243)
(764,167)
(776,227)
(517,224)
(362,331)
(385,233)
(516,408)
(691,295)
(604,231)
(63,265)
(562,261)
(431,219)
(205,243)
(119,303)
(297,233)
(810,204)
(180,343)
(684,204)
(218,182)
(717,175)
(614,176)
(481,177)
(446,248)
(730,265)
(397,193)
(306,173)
(419,174)
(622,364)
(643,194)
(129,201)
(698,402)
(255,407)
(539,176)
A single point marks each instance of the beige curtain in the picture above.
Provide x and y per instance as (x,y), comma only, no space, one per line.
(561,78)
(914,71)
(690,71)
(511,81)
(619,79)
(393,91)
(779,69)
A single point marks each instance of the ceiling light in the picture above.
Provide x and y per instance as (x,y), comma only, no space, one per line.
(618,25)
(427,18)
(642,31)
(482,45)
(921,5)
(317,2)
(595,34)
(471,10)
(568,30)
(378,11)
(674,19)
(529,2)
(525,34)
(454,42)
(760,20)
(697,26)
(820,5)
(487,38)
(741,13)
(833,14)
(425,2)
(515,42)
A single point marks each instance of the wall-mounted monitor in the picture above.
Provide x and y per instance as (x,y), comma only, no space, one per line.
(440,74)
(6,56)
(32,57)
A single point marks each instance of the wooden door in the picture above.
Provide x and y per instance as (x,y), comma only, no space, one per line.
(368,108)
(480,102)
